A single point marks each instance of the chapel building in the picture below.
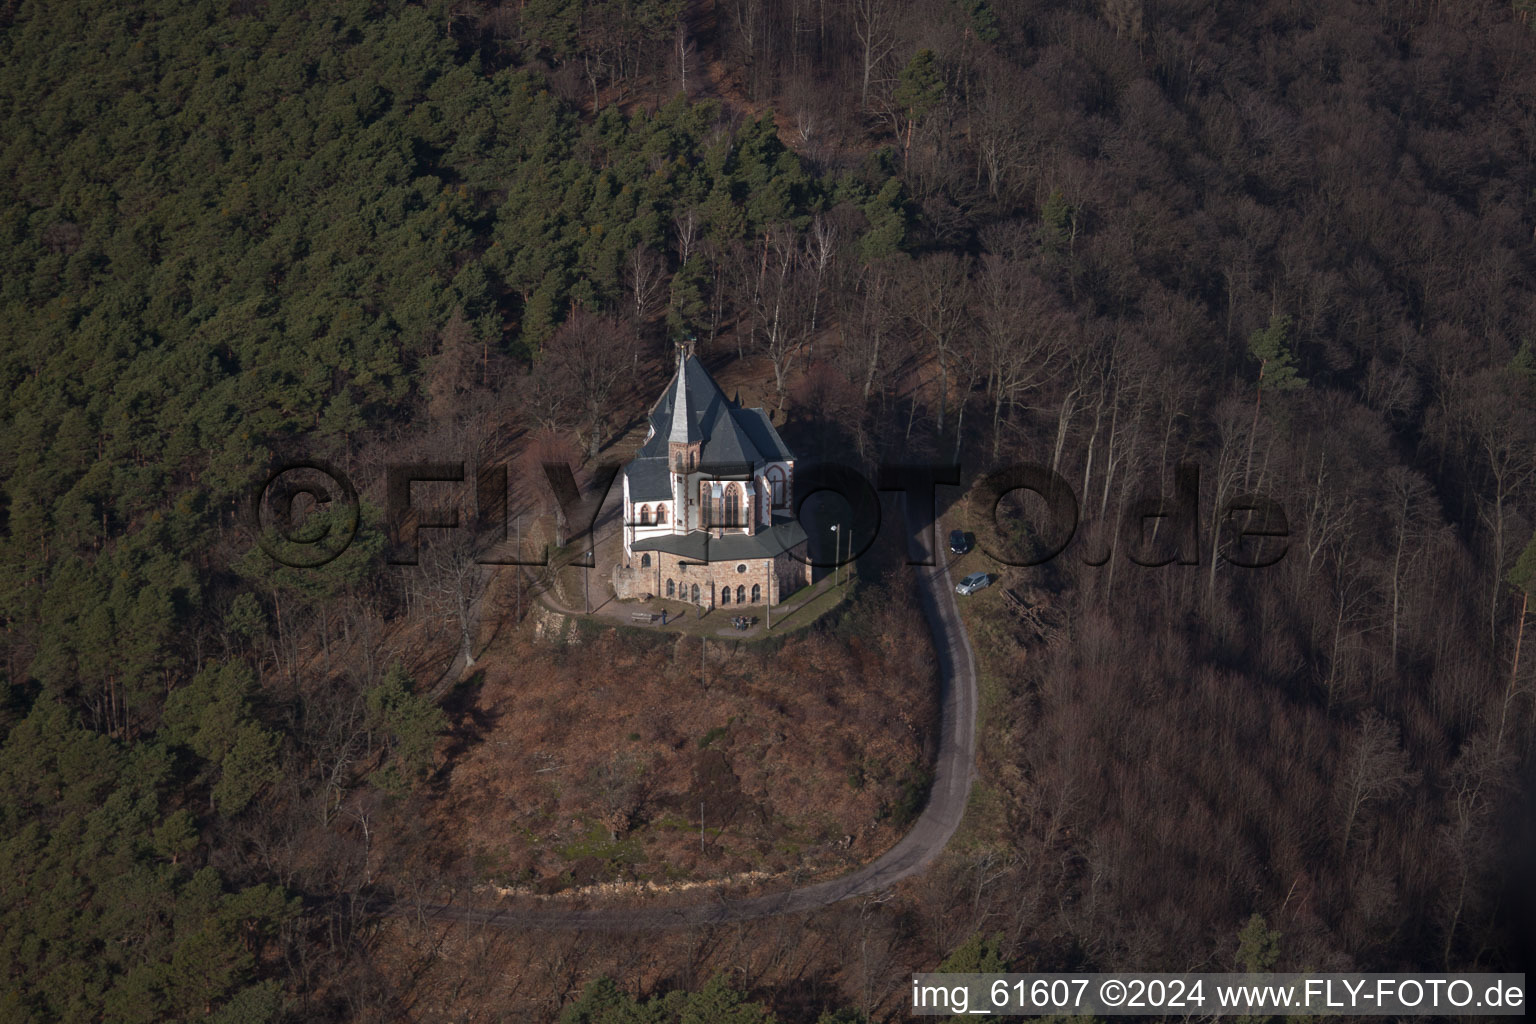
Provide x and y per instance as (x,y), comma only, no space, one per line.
(707,502)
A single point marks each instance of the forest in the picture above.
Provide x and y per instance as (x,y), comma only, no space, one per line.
(1288,242)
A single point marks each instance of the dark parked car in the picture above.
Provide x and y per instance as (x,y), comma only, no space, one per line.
(959,541)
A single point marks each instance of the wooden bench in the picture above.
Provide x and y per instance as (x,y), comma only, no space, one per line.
(645,617)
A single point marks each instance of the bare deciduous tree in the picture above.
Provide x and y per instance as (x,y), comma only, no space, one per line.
(872,27)
(1375,768)
(780,301)
(940,305)
(1022,328)
(645,277)
(687,227)
(453,581)
(589,355)
(820,250)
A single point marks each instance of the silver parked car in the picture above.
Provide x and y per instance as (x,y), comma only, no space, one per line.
(972,583)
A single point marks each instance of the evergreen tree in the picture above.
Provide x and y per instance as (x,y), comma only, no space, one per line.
(919,89)
(1277,368)
(1258,946)
(410,722)
(1258,951)
(976,955)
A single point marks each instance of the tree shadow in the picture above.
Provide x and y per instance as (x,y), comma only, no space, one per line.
(469,723)
(805,998)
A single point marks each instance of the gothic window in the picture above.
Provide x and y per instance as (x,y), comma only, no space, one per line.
(661,515)
(645,561)
(776,485)
(741,594)
(757,594)
(695,593)
(645,515)
(670,588)
(725,595)
(733,506)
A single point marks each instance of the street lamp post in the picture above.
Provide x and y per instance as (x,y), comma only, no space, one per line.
(837,550)
(837,545)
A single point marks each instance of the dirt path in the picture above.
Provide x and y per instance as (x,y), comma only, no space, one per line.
(953,770)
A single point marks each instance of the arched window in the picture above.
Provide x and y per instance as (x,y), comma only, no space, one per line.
(645,561)
(645,515)
(733,506)
(741,595)
(757,594)
(776,485)
(671,589)
(695,593)
(725,595)
(661,515)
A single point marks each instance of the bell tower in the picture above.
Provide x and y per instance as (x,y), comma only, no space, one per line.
(684,445)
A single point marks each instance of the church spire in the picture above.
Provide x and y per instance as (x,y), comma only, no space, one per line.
(680,432)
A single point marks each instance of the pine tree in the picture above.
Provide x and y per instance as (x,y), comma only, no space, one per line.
(719,1003)
(1258,950)
(411,723)
(1277,368)
(919,89)
(978,954)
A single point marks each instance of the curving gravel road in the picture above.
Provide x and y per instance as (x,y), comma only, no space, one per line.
(953,769)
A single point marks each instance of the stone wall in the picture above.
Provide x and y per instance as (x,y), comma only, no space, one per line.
(776,578)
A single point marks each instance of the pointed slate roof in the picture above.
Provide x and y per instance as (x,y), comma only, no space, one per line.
(693,408)
(683,429)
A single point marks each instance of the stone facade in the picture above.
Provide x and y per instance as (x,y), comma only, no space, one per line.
(757,581)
